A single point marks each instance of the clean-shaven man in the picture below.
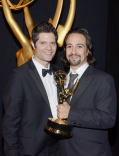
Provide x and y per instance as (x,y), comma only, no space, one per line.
(30,97)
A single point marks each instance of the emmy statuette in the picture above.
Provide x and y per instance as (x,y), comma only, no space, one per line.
(59,128)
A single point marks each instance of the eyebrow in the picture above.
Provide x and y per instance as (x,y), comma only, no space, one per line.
(76,44)
(49,42)
(80,44)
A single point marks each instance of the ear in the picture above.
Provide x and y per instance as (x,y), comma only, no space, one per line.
(87,52)
(32,44)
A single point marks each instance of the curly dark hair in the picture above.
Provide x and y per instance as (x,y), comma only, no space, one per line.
(90,59)
(43,27)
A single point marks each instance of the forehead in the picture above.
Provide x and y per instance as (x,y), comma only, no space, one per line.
(46,36)
(75,38)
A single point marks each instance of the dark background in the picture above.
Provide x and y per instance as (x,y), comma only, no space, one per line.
(99,17)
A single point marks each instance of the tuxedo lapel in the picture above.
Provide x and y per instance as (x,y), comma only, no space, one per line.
(34,74)
(83,83)
(54,69)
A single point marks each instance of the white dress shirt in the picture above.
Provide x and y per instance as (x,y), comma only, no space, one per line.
(50,87)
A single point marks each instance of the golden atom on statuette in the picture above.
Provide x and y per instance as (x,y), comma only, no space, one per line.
(60,77)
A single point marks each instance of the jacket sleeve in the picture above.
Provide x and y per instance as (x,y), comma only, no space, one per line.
(103,116)
(13,102)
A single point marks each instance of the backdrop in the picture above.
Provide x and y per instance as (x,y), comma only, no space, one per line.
(94,15)
(112,64)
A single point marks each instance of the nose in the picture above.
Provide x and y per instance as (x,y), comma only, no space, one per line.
(73,50)
(48,46)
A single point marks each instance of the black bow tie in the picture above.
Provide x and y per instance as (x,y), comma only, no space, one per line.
(45,71)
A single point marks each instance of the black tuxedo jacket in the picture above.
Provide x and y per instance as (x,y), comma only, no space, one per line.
(92,113)
(27,110)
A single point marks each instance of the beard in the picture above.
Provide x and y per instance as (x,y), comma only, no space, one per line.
(74,62)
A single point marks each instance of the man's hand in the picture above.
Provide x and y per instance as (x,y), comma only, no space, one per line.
(63,110)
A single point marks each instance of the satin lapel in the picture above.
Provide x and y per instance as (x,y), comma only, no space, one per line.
(54,69)
(83,83)
(34,74)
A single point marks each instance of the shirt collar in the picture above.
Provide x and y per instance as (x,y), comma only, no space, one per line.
(38,65)
(80,70)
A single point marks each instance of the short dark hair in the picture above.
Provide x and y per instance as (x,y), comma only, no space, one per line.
(43,27)
(90,59)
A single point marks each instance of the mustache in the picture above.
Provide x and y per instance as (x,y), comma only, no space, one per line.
(74,55)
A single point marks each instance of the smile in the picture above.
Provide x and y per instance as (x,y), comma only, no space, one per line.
(48,53)
(73,57)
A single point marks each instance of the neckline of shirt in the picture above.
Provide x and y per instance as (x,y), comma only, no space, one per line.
(39,65)
(80,70)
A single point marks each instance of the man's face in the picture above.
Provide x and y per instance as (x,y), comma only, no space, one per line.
(45,48)
(76,50)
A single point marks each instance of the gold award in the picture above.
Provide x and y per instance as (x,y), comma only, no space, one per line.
(59,128)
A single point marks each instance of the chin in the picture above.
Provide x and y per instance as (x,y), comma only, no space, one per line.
(48,60)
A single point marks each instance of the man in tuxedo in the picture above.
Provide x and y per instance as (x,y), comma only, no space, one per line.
(92,108)
(30,97)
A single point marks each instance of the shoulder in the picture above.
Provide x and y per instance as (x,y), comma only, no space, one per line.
(101,73)
(17,72)
(98,75)
(103,76)
(21,68)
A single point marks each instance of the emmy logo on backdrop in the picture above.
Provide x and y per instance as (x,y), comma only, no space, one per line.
(25,53)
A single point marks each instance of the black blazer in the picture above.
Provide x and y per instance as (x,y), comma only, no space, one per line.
(92,113)
(26,112)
